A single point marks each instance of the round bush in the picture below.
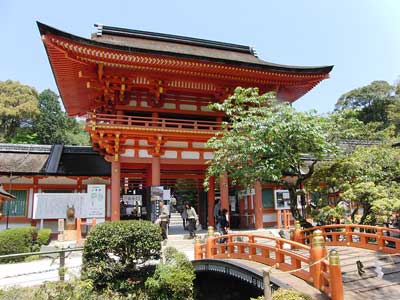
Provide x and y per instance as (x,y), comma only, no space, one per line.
(114,252)
(17,240)
(172,279)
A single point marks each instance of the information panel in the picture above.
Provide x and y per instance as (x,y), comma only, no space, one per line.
(54,206)
(86,205)
(96,199)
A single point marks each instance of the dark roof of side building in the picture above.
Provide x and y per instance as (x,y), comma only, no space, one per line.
(27,159)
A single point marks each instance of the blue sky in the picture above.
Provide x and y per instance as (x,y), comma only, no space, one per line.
(360,37)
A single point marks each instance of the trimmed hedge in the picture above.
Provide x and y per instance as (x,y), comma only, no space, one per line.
(114,253)
(17,240)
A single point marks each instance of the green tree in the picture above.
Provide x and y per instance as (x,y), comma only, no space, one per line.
(265,140)
(366,178)
(18,107)
(53,125)
(376,102)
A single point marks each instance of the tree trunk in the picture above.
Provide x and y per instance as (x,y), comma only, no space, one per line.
(293,207)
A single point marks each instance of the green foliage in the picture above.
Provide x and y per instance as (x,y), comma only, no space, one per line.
(173,279)
(53,125)
(365,178)
(43,237)
(17,240)
(282,294)
(267,140)
(114,251)
(378,102)
(328,214)
(75,289)
(186,191)
(18,107)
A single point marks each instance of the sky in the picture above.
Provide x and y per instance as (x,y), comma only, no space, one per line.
(361,38)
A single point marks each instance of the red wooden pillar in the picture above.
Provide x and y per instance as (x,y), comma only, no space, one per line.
(115,190)
(155,171)
(258,206)
(211,201)
(148,176)
(224,190)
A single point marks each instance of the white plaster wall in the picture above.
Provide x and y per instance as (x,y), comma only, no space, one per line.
(18,180)
(129,153)
(30,203)
(190,155)
(57,180)
(176,144)
(96,180)
(129,142)
(208,155)
(144,154)
(188,107)
(170,154)
(198,145)
(169,105)
(143,143)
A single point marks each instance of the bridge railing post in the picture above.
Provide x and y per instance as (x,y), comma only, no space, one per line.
(348,235)
(297,232)
(380,241)
(210,242)
(317,252)
(279,257)
(197,248)
(335,282)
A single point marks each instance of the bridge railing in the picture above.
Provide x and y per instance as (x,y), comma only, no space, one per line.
(386,240)
(304,261)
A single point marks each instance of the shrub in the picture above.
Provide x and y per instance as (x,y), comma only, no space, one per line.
(173,279)
(75,289)
(43,237)
(282,294)
(17,240)
(114,253)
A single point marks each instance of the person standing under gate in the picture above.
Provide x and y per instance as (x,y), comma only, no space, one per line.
(184,218)
(164,219)
(192,219)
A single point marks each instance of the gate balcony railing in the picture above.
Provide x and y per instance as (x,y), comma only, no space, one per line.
(99,120)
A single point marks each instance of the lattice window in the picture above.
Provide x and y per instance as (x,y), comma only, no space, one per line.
(16,207)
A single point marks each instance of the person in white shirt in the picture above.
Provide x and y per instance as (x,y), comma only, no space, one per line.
(164,217)
(192,219)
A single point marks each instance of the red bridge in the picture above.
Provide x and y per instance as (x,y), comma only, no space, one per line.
(314,256)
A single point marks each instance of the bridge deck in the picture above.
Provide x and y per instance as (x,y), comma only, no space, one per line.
(369,286)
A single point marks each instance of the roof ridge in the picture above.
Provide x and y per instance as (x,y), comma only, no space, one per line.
(104,29)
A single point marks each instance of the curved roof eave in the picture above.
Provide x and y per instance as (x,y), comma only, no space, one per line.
(44,29)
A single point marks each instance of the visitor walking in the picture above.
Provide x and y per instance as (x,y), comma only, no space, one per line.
(164,219)
(184,216)
(192,219)
(224,224)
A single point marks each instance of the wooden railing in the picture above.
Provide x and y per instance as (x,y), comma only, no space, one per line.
(306,262)
(162,123)
(386,240)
